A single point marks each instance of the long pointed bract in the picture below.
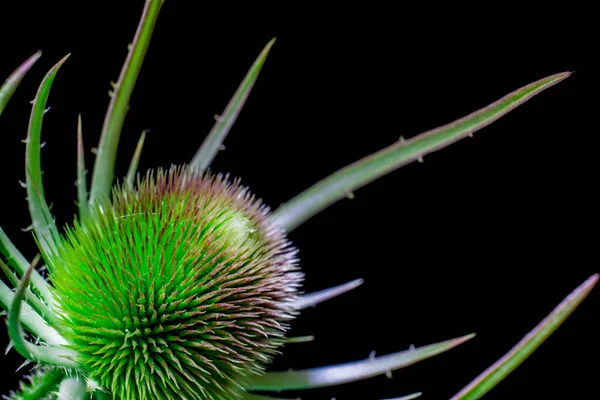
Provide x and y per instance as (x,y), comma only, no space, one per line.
(31,298)
(82,194)
(41,218)
(350,372)
(31,319)
(135,160)
(213,142)
(343,182)
(103,174)
(59,355)
(312,299)
(12,82)
(20,264)
(488,379)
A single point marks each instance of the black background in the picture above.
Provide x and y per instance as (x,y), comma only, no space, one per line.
(485,236)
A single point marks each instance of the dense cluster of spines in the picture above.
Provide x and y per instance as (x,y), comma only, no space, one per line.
(179,288)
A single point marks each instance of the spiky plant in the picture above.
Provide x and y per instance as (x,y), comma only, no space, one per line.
(180,283)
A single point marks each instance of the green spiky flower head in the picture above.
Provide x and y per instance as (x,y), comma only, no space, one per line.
(178,288)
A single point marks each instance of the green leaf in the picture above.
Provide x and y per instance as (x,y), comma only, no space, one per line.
(42,220)
(31,319)
(104,167)
(350,372)
(53,355)
(38,305)
(135,160)
(20,264)
(12,82)
(342,183)
(213,142)
(522,350)
(82,194)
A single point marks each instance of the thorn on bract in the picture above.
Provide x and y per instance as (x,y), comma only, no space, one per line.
(350,195)
(27,229)
(420,159)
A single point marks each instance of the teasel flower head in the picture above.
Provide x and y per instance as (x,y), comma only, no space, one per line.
(181,283)
(180,286)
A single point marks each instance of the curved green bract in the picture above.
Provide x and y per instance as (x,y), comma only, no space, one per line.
(53,355)
(343,182)
(82,194)
(213,142)
(488,379)
(33,322)
(103,174)
(38,305)
(12,82)
(16,260)
(350,372)
(42,221)
(312,299)
(135,160)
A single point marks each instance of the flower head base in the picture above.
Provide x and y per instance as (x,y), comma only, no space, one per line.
(184,278)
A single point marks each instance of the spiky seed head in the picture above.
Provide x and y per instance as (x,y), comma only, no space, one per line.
(179,288)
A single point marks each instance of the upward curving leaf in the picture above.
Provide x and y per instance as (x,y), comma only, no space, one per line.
(12,82)
(350,372)
(82,194)
(343,182)
(213,142)
(104,167)
(20,265)
(53,355)
(42,221)
(488,379)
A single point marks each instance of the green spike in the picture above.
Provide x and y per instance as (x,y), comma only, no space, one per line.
(349,372)
(33,322)
(53,355)
(338,185)
(82,193)
(492,376)
(42,221)
(213,142)
(11,83)
(103,173)
(135,160)
(20,264)
(38,305)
